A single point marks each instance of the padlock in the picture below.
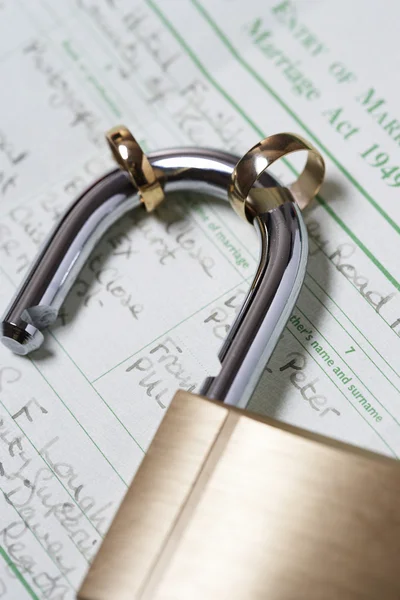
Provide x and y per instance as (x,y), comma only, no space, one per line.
(227,505)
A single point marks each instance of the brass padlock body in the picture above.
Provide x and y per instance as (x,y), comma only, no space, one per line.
(230,506)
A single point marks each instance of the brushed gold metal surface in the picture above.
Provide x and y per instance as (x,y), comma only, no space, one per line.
(129,155)
(249,201)
(154,501)
(227,505)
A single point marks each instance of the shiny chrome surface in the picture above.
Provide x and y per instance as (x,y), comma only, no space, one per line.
(270,301)
(283,252)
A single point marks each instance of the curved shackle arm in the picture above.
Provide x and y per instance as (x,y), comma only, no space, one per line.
(269,303)
(283,257)
(36,304)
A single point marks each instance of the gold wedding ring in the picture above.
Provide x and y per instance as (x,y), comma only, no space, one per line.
(249,200)
(129,155)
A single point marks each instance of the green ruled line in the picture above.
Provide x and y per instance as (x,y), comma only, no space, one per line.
(95,390)
(54,473)
(351,235)
(17,574)
(351,370)
(343,394)
(171,329)
(239,58)
(77,421)
(347,331)
(333,316)
(217,86)
(33,363)
(37,537)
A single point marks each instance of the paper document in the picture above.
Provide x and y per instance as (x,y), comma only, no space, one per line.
(149,311)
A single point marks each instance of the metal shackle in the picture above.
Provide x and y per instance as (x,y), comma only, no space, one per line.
(141,179)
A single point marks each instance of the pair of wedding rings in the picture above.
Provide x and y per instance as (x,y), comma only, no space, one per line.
(247,200)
